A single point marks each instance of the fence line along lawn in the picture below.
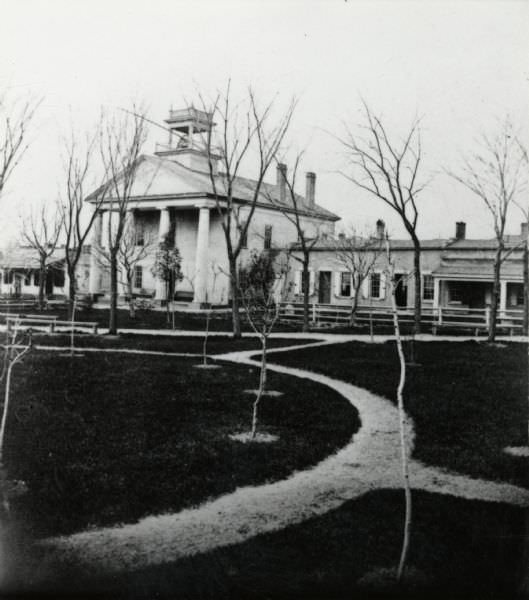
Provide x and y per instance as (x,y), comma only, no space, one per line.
(111,438)
(161,343)
(468,400)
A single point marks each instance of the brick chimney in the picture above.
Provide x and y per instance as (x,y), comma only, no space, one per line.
(461,230)
(281,181)
(523,231)
(381,227)
(310,189)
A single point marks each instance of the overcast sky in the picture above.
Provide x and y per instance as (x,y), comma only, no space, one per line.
(460,65)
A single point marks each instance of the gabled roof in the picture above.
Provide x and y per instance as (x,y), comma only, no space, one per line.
(158,177)
(24,257)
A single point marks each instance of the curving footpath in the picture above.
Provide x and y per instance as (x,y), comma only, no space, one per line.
(370,461)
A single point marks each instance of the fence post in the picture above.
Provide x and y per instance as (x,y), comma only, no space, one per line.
(439,315)
(487,317)
(314,312)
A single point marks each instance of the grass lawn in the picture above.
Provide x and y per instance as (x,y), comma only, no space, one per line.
(468,399)
(464,549)
(110,438)
(161,343)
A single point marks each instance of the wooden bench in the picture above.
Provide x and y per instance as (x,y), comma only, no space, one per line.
(50,322)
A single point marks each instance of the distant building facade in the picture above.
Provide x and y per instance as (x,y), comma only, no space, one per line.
(456,272)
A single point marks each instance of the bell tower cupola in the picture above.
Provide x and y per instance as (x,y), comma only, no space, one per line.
(189,129)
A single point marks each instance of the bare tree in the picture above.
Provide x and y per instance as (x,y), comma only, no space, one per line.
(15,118)
(402,416)
(389,171)
(294,209)
(358,254)
(17,345)
(81,170)
(246,132)
(167,268)
(132,252)
(260,288)
(524,208)
(495,175)
(121,142)
(41,228)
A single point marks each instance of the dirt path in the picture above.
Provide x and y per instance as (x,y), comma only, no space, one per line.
(369,462)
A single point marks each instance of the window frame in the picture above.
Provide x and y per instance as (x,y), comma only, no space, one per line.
(137,276)
(344,285)
(428,289)
(267,242)
(375,275)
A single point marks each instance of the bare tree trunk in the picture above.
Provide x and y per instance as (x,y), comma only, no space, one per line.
(354,306)
(71,291)
(234,290)
(42,281)
(417,279)
(262,387)
(495,296)
(113,318)
(526,288)
(306,290)
(403,442)
(132,312)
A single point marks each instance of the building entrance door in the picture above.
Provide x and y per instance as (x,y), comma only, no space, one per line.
(324,287)
(401,290)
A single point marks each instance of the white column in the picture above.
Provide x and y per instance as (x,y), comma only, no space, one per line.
(503,297)
(436,290)
(163,230)
(94,282)
(201,261)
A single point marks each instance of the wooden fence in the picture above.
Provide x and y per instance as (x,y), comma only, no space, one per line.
(475,319)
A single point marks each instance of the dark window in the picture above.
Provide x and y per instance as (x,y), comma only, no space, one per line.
(244,237)
(268,237)
(374,287)
(36,278)
(27,278)
(427,287)
(139,233)
(8,276)
(138,277)
(58,277)
(456,292)
(345,284)
(519,295)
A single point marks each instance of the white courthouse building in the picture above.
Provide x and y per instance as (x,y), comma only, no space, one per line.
(173,198)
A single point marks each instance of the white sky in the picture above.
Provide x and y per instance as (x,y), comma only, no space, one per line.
(461,65)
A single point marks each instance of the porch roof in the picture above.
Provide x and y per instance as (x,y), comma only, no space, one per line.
(27,258)
(477,270)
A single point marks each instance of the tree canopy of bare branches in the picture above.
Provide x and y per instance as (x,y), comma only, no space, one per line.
(390,171)
(82,169)
(358,254)
(15,118)
(494,173)
(247,131)
(121,140)
(293,209)
(41,229)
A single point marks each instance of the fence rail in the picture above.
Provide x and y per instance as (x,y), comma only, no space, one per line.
(438,318)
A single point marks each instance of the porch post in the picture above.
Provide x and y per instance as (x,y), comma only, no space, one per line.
(201,262)
(94,282)
(436,290)
(503,298)
(163,230)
